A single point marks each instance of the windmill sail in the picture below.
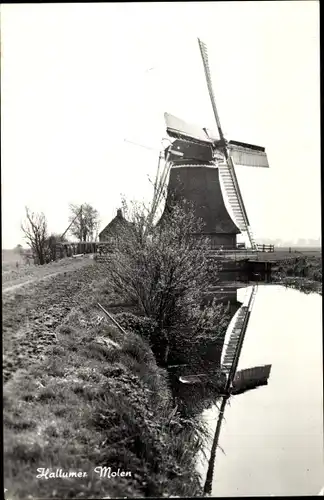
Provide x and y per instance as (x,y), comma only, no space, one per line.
(247,154)
(227,170)
(234,196)
(204,55)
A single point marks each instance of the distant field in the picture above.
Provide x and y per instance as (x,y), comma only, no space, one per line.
(283,253)
(300,249)
(10,270)
(9,258)
(14,276)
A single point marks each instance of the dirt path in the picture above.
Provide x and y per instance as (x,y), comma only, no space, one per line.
(29,282)
(25,274)
(36,308)
(23,281)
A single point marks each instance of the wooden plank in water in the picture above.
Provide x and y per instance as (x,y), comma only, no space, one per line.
(193,379)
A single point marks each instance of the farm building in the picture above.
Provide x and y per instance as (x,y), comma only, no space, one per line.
(109,233)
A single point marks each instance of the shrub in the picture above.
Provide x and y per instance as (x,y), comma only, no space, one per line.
(142,325)
(164,270)
(304,267)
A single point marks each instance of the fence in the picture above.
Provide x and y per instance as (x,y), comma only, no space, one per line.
(265,248)
(84,247)
(69,249)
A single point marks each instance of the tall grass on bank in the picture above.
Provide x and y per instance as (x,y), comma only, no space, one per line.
(302,273)
(98,399)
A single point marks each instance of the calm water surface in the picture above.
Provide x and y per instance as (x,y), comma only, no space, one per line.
(273,436)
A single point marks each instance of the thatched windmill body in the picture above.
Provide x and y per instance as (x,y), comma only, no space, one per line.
(201,168)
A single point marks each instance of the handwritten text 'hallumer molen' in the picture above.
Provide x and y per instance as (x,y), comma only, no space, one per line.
(44,473)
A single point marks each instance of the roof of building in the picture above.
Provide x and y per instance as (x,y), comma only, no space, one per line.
(179,128)
(115,223)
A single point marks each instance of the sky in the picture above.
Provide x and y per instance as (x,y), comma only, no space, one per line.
(79,79)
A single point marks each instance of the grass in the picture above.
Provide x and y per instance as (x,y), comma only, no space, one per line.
(303,273)
(302,284)
(97,399)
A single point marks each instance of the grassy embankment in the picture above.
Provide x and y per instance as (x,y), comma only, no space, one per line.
(97,398)
(303,273)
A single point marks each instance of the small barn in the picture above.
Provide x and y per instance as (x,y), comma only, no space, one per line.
(109,233)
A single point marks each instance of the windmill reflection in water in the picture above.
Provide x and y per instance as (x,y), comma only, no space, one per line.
(233,382)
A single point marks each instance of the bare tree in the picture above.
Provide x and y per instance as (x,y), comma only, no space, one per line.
(35,231)
(84,222)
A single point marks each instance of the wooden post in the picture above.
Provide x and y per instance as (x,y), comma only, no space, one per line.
(112,319)
(81,222)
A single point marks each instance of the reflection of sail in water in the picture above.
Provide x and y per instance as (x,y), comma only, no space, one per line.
(250,378)
(211,464)
(210,353)
(196,375)
(228,297)
(237,382)
(244,380)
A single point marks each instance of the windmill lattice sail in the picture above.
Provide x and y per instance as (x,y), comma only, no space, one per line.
(204,55)
(247,155)
(232,351)
(235,199)
(234,152)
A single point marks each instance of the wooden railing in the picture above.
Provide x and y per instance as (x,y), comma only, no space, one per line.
(242,248)
(265,248)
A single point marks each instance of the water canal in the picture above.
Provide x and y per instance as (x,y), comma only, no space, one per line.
(272,437)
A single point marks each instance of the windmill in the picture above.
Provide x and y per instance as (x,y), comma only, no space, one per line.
(195,156)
